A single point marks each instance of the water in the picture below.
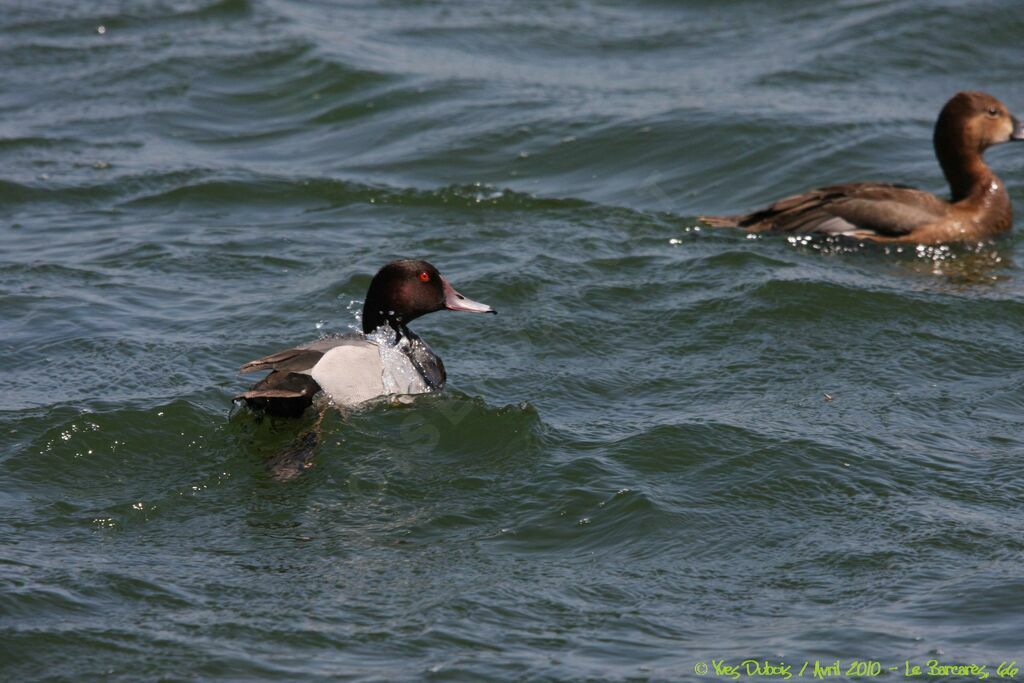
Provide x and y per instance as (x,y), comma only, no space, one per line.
(635,467)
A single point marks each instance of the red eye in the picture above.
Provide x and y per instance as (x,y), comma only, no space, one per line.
(424,276)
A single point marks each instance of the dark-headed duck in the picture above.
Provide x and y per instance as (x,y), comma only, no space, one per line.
(386,359)
(978,209)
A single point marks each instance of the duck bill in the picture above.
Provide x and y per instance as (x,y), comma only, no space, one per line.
(1018,129)
(454,301)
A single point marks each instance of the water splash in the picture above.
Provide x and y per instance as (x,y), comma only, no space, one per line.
(398,374)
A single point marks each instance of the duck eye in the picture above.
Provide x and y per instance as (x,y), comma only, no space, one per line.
(424,276)
(992,111)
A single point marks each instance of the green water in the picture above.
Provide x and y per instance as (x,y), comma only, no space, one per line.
(671,446)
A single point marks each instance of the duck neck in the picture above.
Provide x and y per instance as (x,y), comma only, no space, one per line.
(374,319)
(966,172)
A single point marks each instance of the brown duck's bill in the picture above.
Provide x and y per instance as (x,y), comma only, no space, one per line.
(1018,129)
(454,301)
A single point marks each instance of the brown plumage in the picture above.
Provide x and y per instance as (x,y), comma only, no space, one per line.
(979,206)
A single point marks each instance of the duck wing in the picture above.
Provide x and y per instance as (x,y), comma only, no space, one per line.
(289,389)
(301,358)
(857,209)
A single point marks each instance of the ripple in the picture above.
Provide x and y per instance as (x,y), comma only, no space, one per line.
(673,443)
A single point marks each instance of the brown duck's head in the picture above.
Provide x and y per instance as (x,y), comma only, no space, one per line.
(404,290)
(971,122)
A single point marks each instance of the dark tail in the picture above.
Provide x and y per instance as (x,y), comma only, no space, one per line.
(284,394)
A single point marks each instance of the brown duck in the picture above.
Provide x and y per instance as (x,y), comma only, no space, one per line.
(979,206)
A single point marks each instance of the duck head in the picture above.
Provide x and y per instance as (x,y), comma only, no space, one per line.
(404,290)
(968,124)
(976,120)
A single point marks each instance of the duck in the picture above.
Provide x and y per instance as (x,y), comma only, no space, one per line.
(978,209)
(386,358)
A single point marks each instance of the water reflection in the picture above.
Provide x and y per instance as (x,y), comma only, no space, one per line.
(959,264)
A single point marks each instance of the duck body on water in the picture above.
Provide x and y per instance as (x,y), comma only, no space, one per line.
(978,209)
(387,358)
